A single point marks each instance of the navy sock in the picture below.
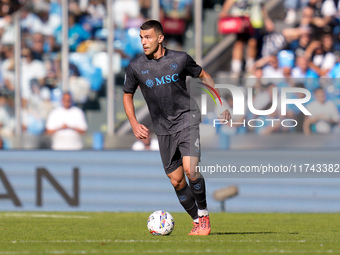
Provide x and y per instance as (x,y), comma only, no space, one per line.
(187,200)
(198,190)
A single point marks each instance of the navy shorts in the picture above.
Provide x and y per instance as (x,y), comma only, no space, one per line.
(175,146)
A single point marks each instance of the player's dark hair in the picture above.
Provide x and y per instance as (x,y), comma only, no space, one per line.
(155,24)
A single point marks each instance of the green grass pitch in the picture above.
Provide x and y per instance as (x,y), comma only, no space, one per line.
(126,233)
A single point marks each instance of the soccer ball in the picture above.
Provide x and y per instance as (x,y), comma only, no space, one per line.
(161,223)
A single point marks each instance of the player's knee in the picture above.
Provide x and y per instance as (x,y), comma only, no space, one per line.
(192,174)
(177,184)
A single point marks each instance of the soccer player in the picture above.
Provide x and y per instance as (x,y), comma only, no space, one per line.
(161,75)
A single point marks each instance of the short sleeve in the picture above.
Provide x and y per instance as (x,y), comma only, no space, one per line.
(130,81)
(52,122)
(81,120)
(191,68)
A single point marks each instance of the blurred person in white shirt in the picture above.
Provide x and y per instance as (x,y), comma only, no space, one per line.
(31,69)
(324,114)
(127,13)
(66,124)
(147,143)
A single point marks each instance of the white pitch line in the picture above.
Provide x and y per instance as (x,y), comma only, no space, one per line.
(39,215)
(160,240)
(56,241)
(13,252)
(186,251)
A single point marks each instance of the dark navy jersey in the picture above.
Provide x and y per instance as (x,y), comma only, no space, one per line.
(162,82)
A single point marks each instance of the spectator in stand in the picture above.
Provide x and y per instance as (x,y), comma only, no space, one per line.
(46,105)
(7,122)
(324,12)
(263,100)
(66,124)
(270,67)
(273,71)
(127,14)
(96,14)
(53,73)
(147,143)
(7,30)
(97,9)
(292,6)
(145,8)
(325,114)
(37,46)
(302,70)
(28,19)
(76,33)
(293,112)
(31,69)
(255,79)
(32,125)
(323,58)
(260,22)
(51,45)
(299,45)
(48,23)
(316,16)
(303,73)
(75,8)
(175,16)
(80,87)
(7,67)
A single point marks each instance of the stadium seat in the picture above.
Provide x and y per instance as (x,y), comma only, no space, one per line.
(286,58)
(100,60)
(87,70)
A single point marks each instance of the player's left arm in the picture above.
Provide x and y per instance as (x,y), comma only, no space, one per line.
(222,109)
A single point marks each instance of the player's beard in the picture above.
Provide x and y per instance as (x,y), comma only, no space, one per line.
(152,52)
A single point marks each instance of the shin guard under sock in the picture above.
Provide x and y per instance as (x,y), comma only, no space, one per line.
(187,200)
(198,190)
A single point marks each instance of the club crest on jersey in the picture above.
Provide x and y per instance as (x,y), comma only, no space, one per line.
(173,66)
(149,83)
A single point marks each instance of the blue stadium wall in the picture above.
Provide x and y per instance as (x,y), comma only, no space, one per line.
(135,181)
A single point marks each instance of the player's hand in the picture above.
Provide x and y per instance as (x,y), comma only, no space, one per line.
(140,131)
(225,115)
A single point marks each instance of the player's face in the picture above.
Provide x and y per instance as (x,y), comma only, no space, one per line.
(151,41)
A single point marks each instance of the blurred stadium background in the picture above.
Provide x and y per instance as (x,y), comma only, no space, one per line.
(84,46)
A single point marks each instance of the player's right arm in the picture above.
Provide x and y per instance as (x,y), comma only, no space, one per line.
(138,129)
(130,85)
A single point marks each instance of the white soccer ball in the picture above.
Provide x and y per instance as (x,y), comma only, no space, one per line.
(161,223)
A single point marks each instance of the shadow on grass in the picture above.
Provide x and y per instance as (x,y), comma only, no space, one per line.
(249,233)
(242,233)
